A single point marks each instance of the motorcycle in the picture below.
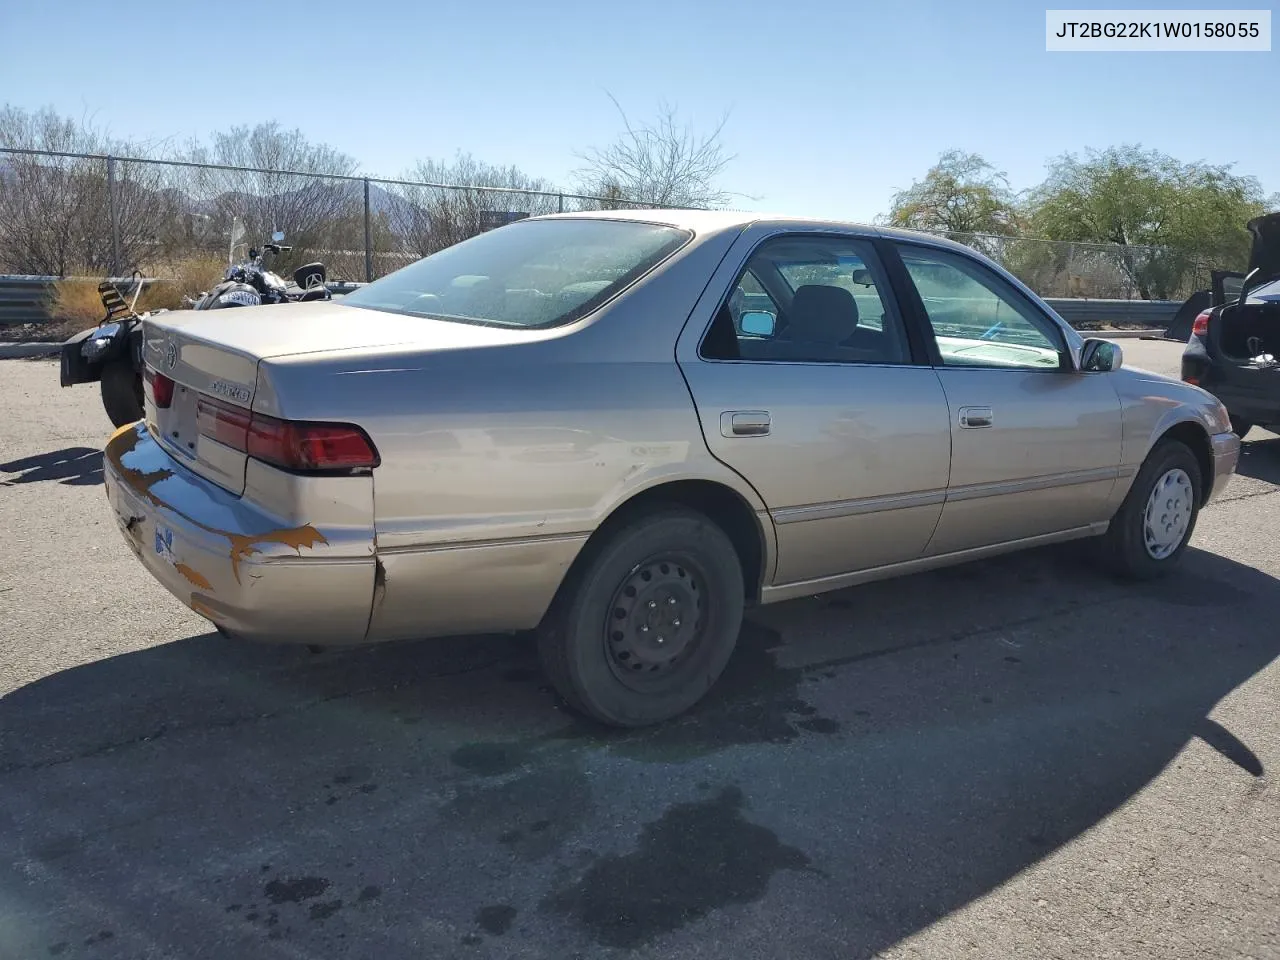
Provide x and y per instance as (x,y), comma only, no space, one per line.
(249,283)
(111,353)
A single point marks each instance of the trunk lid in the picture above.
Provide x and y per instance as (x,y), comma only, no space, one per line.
(215,354)
(1265,253)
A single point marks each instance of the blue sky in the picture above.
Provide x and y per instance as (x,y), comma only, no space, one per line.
(832,106)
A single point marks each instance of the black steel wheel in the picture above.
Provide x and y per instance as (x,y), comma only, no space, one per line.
(648,620)
(655,621)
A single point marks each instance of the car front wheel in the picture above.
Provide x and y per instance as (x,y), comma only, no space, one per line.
(648,621)
(1150,531)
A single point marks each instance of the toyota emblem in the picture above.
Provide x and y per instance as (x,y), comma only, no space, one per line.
(171,355)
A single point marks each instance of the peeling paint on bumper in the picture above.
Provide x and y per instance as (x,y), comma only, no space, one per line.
(232,563)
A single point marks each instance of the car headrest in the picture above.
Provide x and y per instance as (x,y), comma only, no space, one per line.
(823,314)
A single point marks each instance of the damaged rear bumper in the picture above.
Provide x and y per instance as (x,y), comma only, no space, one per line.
(233,564)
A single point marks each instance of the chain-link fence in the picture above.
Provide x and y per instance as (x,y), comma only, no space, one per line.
(65,214)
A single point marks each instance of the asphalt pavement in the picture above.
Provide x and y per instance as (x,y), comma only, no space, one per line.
(1018,758)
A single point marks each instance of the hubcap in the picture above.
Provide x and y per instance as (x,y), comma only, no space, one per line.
(1168,513)
(654,621)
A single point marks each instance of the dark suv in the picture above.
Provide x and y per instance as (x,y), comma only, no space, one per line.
(1234,348)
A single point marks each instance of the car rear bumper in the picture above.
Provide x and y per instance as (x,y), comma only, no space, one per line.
(235,565)
(1226,454)
(1253,395)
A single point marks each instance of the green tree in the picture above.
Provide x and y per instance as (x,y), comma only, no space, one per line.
(1188,217)
(961,194)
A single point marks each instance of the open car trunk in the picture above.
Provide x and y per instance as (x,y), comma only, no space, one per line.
(1249,333)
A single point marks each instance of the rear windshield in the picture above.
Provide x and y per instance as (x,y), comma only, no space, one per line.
(541,273)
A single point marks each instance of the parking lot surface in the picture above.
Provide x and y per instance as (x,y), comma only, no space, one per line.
(1019,758)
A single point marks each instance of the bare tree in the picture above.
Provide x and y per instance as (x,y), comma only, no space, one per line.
(664,163)
(428,218)
(286,190)
(55,211)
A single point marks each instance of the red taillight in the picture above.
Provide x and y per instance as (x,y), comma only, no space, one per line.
(309,446)
(161,388)
(222,422)
(1200,327)
(291,444)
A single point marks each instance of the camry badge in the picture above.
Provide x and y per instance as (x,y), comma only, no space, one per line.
(232,391)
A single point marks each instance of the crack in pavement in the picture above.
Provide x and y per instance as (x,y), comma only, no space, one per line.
(1246,496)
(957,637)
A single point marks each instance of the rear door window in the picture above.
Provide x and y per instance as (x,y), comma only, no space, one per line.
(809,299)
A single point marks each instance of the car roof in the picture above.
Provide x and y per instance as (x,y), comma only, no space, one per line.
(716,221)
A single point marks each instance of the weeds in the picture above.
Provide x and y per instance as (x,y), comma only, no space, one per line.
(74,302)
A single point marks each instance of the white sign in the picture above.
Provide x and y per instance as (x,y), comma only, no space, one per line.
(1139,31)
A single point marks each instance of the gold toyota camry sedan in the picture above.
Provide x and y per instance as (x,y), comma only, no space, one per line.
(620,428)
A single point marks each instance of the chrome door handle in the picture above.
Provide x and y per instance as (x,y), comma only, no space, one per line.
(744,423)
(973,418)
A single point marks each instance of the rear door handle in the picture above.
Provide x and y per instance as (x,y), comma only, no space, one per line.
(744,423)
(974,418)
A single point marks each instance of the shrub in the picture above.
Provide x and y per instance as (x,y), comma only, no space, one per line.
(74,303)
(188,278)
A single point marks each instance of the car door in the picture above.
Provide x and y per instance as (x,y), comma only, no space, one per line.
(805,383)
(1035,443)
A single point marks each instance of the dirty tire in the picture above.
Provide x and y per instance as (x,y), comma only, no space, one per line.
(670,572)
(1124,547)
(122,392)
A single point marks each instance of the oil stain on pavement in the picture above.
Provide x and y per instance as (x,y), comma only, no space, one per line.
(696,858)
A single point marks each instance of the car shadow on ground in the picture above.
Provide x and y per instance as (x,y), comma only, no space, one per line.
(1260,459)
(871,761)
(75,466)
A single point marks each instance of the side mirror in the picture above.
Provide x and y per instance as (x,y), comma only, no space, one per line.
(862,277)
(758,323)
(1100,356)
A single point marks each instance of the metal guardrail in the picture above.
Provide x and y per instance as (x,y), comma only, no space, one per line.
(22,300)
(1143,314)
(25,299)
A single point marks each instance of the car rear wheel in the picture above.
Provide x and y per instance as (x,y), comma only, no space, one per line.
(122,392)
(648,621)
(1150,531)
